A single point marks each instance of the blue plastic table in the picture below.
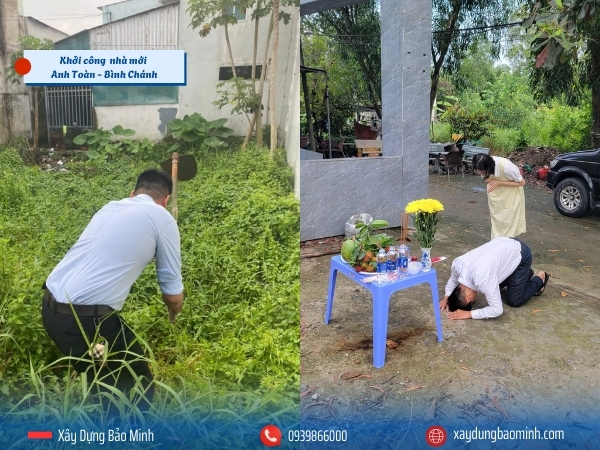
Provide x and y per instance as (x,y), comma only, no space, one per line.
(381,301)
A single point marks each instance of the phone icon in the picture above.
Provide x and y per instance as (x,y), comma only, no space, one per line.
(270,435)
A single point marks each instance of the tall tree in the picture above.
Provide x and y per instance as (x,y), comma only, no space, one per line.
(566,45)
(243,93)
(273,69)
(31,43)
(458,25)
(357,29)
(346,84)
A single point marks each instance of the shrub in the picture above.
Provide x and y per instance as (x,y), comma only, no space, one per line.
(503,142)
(471,124)
(564,127)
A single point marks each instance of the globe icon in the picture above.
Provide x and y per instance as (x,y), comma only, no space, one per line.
(436,436)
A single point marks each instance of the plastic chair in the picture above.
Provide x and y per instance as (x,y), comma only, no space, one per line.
(337,148)
(381,301)
(453,159)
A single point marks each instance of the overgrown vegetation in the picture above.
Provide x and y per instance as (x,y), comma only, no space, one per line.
(515,119)
(196,131)
(233,352)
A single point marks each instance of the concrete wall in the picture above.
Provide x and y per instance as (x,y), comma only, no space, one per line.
(156,29)
(15,115)
(148,121)
(153,30)
(334,190)
(34,27)
(205,55)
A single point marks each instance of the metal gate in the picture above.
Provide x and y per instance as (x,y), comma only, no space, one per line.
(69,106)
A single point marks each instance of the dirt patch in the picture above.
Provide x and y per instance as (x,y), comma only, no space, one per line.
(320,247)
(537,360)
(55,160)
(530,160)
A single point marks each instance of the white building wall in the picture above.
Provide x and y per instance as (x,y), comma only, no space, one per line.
(205,55)
(143,119)
(157,29)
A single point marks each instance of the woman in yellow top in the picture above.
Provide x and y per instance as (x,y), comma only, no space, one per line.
(506,197)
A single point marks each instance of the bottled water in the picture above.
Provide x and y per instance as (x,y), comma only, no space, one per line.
(403,257)
(381,266)
(392,263)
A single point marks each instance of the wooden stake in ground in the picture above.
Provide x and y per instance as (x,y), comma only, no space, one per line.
(401,226)
(174,168)
(174,164)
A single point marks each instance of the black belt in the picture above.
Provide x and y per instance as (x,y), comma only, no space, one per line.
(80,310)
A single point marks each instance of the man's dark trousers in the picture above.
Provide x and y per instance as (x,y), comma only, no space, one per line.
(121,344)
(519,287)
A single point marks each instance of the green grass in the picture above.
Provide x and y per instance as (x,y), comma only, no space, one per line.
(238,334)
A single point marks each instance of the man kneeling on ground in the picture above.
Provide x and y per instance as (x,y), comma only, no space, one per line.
(501,263)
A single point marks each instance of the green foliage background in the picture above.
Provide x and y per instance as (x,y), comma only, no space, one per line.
(503,93)
(239,226)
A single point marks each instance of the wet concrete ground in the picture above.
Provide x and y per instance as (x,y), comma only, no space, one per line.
(533,362)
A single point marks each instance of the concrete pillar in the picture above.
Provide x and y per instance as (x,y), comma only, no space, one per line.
(333,190)
(15,116)
(405,72)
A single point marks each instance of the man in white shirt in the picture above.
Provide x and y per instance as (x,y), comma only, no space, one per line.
(502,262)
(92,281)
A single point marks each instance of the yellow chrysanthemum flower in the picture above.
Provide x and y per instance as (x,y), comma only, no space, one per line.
(425,219)
(428,205)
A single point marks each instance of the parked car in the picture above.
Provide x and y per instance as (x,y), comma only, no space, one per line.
(575,179)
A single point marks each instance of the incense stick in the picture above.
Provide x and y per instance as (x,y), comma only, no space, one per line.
(401,227)
(403,232)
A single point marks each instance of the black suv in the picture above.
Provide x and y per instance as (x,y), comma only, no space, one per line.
(575,178)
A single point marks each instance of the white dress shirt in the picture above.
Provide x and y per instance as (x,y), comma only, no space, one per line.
(483,269)
(111,253)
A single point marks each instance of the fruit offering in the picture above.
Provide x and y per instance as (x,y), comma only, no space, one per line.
(360,250)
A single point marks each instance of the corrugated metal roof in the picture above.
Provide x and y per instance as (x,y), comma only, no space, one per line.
(156,29)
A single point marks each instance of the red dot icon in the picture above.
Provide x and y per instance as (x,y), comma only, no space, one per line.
(270,436)
(436,436)
(22,66)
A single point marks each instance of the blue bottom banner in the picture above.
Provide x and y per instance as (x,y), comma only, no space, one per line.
(288,433)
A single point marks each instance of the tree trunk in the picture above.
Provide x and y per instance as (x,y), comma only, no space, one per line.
(273,72)
(254,52)
(595,116)
(230,53)
(360,59)
(309,124)
(439,61)
(261,88)
(36,126)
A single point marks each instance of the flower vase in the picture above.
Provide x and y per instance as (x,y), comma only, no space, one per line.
(425,259)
